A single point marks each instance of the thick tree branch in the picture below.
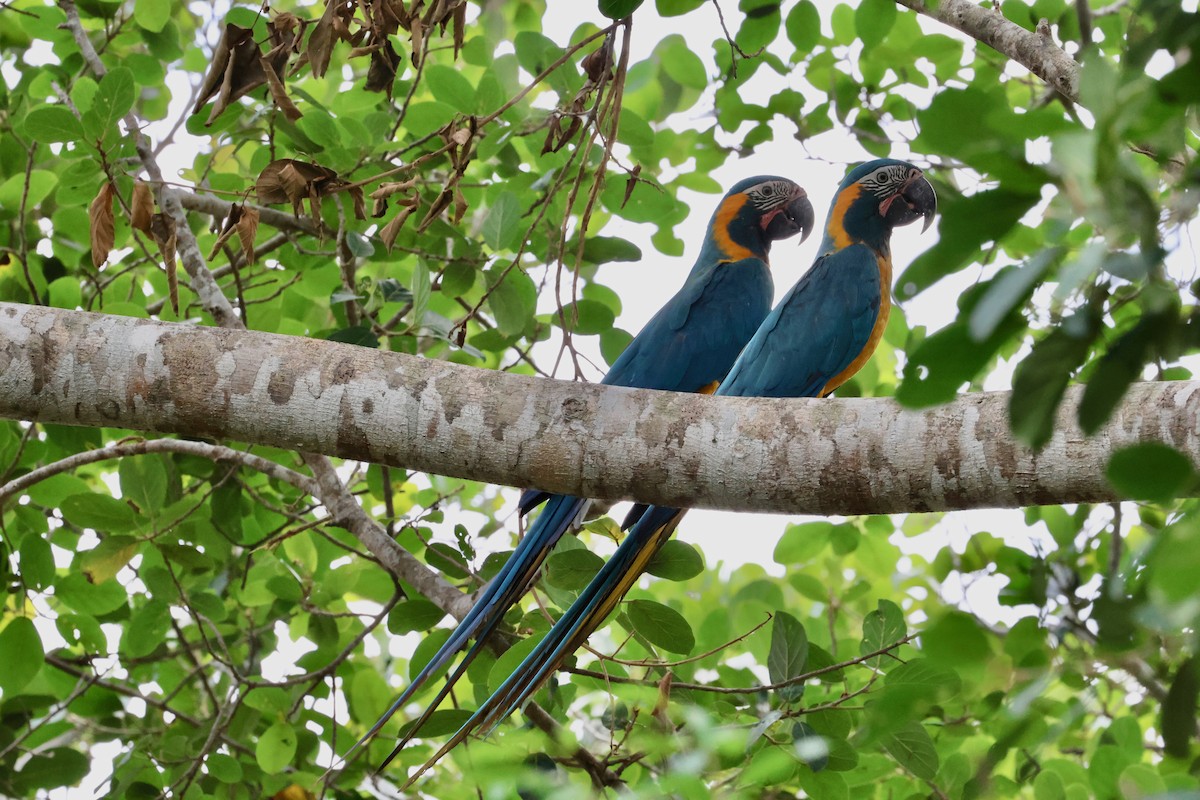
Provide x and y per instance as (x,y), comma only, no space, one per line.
(791,456)
(1036,51)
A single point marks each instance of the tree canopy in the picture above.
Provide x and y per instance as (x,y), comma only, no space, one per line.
(474,182)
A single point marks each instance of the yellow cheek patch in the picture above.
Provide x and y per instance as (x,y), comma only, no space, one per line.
(708,388)
(835,229)
(729,209)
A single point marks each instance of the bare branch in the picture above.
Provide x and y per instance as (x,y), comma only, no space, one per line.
(1035,51)
(127,448)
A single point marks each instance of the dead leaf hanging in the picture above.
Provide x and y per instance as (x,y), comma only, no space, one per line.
(287,180)
(247,229)
(102,224)
(141,207)
(239,67)
(390,231)
(162,228)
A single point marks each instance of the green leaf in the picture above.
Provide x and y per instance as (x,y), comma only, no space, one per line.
(618,9)
(1150,471)
(457,279)
(21,654)
(967,223)
(421,290)
(147,629)
(1121,366)
(319,126)
(276,748)
(510,660)
(445,558)
(143,481)
(99,512)
(675,8)
(873,19)
(94,599)
(360,335)
(1011,288)
(800,544)
(676,561)
(613,342)
(450,87)
(803,26)
(152,15)
(956,640)
(882,627)
(502,225)
(113,100)
(440,723)
(788,653)
(1179,711)
(52,124)
(61,766)
(913,749)
(572,570)
(224,768)
(827,784)
(681,63)
(662,626)
(513,302)
(588,317)
(368,695)
(37,561)
(39,186)
(417,614)
(106,559)
(1040,381)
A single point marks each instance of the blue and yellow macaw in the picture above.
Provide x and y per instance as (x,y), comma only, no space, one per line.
(822,332)
(688,346)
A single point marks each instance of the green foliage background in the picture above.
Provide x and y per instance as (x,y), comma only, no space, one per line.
(153,603)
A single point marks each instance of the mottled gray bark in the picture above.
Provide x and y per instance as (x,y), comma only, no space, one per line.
(811,456)
(1034,50)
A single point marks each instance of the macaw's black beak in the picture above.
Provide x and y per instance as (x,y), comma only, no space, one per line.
(915,200)
(796,217)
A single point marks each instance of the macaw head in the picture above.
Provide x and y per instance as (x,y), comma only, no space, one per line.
(756,212)
(874,198)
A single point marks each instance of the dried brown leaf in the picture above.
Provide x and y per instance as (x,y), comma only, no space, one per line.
(631,183)
(440,204)
(227,230)
(360,202)
(287,180)
(102,225)
(242,71)
(279,92)
(460,206)
(141,207)
(460,24)
(162,228)
(387,189)
(598,62)
(417,29)
(381,74)
(320,42)
(392,229)
(247,229)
